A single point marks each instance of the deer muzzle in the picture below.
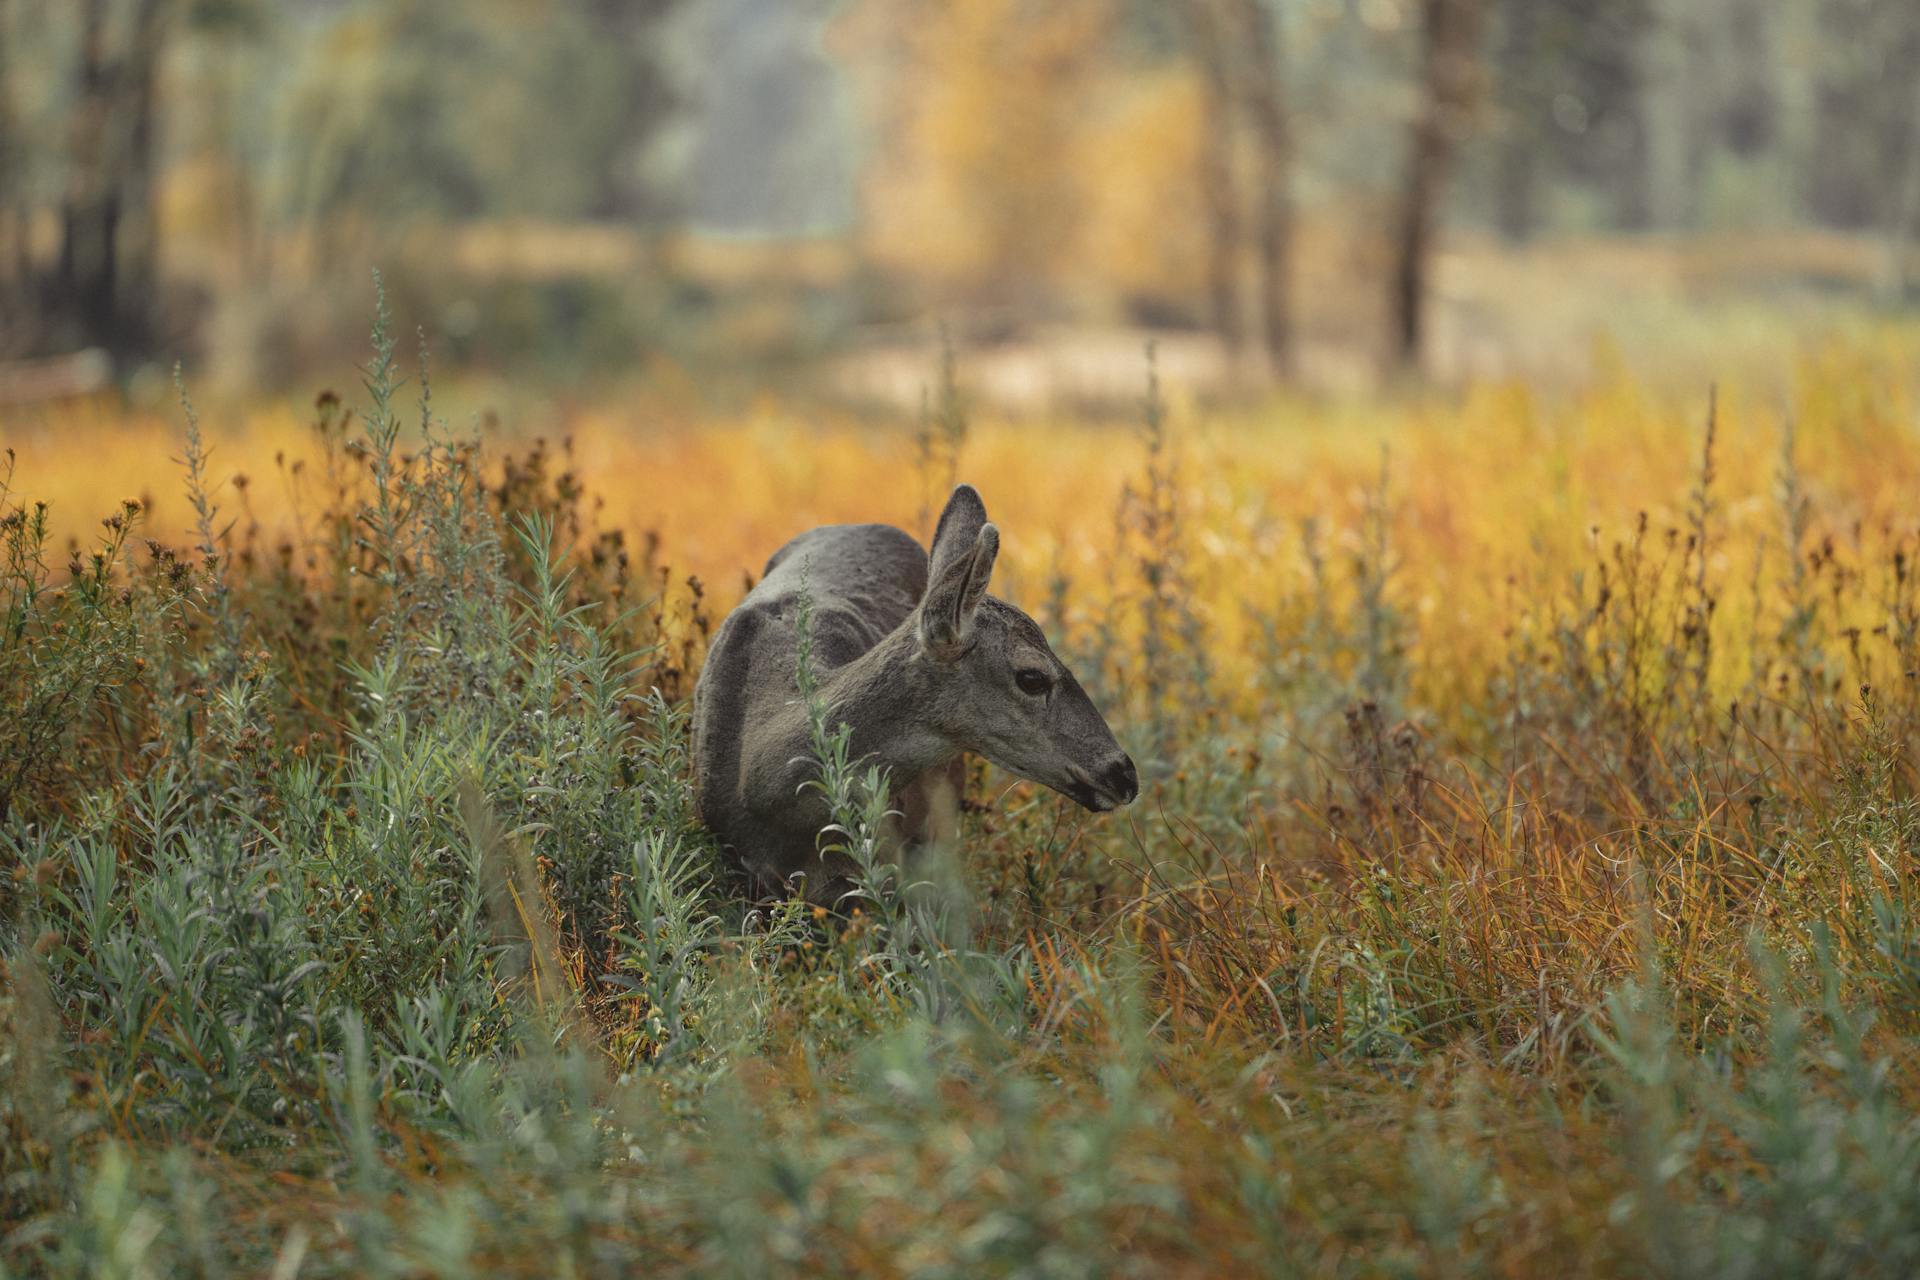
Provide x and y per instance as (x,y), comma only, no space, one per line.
(1107,787)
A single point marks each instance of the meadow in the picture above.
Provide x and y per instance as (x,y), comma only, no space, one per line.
(1526,878)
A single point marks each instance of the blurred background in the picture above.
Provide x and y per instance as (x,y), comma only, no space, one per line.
(601,197)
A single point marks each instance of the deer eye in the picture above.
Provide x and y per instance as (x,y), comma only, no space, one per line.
(1033,681)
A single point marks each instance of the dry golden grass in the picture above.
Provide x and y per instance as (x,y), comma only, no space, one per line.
(1496,495)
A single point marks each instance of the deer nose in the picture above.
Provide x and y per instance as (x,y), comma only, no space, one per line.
(1121,779)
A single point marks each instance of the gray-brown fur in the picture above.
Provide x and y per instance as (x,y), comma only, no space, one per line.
(916,657)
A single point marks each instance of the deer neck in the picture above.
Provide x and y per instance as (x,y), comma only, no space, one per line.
(886,697)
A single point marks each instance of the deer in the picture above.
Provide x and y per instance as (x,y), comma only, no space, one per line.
(923,667)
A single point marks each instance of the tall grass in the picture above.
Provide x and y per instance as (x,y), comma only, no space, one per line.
(1485,913)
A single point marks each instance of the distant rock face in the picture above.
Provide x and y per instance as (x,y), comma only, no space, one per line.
(771,139)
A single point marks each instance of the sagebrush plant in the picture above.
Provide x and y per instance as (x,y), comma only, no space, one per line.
(74,648)
(357,920)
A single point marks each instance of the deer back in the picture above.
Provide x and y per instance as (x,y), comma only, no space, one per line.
(863,581)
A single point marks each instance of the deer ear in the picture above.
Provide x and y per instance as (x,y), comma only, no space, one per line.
(954,593)
(959,528)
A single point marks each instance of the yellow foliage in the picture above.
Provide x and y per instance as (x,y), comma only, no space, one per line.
(1143,229)
(976,183)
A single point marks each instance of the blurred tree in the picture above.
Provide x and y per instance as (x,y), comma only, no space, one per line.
(556,103)
(14,262)
(100,150)
(102,290)
(1904,226)
(1236,44)
(1869,121)
(1267,112)
(1568,92)
(972,186)
(1083,158)
(644,99)
(771,149)
(1142,239)
(1449,77)
(1525,101)
(1216,175)
(221,139)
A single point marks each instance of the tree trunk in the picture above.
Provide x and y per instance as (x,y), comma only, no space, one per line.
(84,273)
(1450,37)
(15,269)
(137,303)
(103,278)
(18,303)
(1267,109)
(1217,186)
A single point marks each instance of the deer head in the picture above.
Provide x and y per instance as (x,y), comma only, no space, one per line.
(995,687)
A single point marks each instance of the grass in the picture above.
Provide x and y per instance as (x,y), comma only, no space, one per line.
(1524,881)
